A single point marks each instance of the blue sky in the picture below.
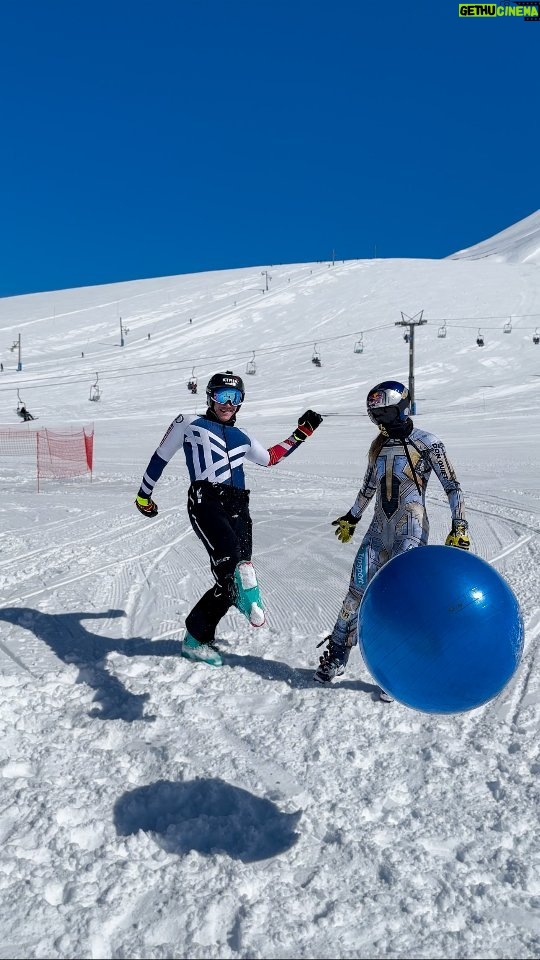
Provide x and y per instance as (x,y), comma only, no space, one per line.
(143,140)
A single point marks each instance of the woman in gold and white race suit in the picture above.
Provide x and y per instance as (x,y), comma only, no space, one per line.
(400,462)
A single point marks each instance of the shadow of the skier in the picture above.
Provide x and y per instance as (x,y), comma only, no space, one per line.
(73,643)
(296,678)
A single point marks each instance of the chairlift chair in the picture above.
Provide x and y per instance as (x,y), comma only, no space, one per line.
(441,332)
(316,358)
(22,409)
(507,327)
(359,345)
(95,393)
(406,337)
(251,367)
(192,382)
(480,339)
(536,336)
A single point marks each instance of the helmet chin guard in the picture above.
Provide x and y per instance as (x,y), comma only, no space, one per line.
(388,406)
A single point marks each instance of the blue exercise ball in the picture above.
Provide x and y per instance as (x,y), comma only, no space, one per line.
(440,630)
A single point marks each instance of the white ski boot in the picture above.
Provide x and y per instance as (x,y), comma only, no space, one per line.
(248,595)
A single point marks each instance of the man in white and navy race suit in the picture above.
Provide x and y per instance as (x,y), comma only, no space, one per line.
(218,503)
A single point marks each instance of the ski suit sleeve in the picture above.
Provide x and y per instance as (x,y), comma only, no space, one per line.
(307,424)
(268,458)
(366,492)
(447,477)
(170,444)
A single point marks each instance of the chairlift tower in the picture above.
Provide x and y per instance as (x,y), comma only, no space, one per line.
(411,323)
(123,330)
(17,346)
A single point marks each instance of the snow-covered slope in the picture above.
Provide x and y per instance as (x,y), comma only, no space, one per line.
(151,807)
(519,243)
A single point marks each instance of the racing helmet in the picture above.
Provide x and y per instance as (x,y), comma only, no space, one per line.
(388,404)
(225,387)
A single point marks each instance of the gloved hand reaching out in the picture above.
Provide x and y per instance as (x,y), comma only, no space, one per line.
(307,423)
(346,526)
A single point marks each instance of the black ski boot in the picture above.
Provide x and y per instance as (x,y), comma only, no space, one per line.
(333,661)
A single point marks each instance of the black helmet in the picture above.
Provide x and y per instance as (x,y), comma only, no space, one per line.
(388,404)
(227,381)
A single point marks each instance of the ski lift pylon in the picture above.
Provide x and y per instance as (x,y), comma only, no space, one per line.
(95,393)
(480,339)
(441,332)
(251,367)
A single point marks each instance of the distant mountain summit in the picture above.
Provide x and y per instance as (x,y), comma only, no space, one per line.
(517,244)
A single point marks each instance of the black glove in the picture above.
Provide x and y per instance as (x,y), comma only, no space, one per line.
(307,423)
(459,535)
(345,527)
(146,506)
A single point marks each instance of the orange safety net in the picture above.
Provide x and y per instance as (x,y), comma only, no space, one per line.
(59,454)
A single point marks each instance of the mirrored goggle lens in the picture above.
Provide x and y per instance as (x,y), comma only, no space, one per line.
(228,395)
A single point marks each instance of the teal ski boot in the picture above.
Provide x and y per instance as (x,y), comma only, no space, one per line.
(201,652)
(248,595)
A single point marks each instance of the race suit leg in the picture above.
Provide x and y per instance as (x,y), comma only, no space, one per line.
(369,559)
(387,537)
(221,520)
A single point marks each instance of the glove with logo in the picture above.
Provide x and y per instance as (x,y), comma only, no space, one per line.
(459,535)
(146,506)
(307,423)
(345,527)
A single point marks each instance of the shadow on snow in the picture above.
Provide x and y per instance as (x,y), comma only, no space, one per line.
(209,816)
(295,677)
(73,643)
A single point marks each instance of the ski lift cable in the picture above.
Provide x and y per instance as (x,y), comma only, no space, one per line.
(493,316)
(172,366)
(455,321)
(118,373)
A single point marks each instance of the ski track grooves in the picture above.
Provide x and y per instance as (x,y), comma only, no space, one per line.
(96,572)
(280,563)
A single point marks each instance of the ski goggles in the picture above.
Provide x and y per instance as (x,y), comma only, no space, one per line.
(228,395)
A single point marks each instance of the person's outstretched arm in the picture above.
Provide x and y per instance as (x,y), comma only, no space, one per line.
(307,424)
